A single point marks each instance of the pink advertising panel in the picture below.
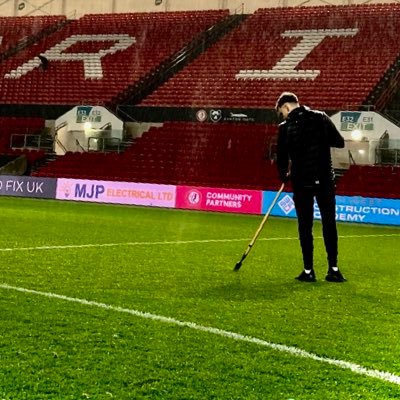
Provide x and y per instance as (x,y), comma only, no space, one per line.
(143,194)
(225,200)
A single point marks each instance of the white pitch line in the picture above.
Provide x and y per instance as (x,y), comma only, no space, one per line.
(83,246)
(356,368)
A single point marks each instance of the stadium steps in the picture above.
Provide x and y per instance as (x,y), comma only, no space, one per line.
(391,109)
(13,164)
(385,94)
(136,93)
(5,159)
(339,172)
(48,158)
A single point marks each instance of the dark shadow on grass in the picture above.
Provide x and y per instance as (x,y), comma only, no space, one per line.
(238,290)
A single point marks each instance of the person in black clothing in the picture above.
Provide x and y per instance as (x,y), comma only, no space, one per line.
(303,156)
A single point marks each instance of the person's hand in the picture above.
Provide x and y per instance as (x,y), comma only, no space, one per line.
(285,178)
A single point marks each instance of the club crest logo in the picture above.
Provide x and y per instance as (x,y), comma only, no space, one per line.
(201,115)
(215,115)
(194,197)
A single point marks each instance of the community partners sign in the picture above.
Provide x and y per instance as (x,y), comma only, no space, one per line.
(217,199)
(349,209)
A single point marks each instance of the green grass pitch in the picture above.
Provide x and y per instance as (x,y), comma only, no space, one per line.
(179,264)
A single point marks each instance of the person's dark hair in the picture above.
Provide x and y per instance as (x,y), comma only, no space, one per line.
(286,97)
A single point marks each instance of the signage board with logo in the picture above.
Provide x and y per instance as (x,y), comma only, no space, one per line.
(88,114)
(26,186)
(284,206)
(351,120)
(143,194)
(222,200)
(366,210)
(225,115)
(348,209)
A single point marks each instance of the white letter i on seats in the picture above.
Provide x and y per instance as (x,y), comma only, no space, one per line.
(285,68)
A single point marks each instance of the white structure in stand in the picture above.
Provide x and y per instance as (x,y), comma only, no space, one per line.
(86,128)
(362,131)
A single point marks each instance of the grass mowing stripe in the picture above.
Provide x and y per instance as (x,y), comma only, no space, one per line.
(358,369)
(83,246)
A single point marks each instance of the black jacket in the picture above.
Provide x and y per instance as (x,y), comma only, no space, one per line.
(304,142)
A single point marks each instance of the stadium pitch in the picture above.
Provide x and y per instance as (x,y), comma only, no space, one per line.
(101,302)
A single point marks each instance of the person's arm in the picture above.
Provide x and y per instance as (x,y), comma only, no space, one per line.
(282,155)
(334,136)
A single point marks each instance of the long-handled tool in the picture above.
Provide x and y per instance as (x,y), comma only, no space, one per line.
(239,264)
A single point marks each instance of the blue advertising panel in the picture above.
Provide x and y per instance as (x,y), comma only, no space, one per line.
(284,206)
(351,209)
(26,186)
(367,210)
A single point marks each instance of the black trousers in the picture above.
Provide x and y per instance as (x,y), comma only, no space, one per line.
(304,202)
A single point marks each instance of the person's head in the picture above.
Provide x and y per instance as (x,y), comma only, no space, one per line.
(286,102)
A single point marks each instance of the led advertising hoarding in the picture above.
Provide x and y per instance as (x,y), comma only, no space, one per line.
(143,194)
(349,209)
(26,186)
(222,200)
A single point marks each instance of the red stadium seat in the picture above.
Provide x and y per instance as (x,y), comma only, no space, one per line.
(370,181)
(98,68)
(225,154)
(350,64)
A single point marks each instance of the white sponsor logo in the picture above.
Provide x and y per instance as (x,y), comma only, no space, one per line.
(286,204)
(215,115)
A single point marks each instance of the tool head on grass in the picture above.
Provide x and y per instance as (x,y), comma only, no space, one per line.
(237,266)
(264,220)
